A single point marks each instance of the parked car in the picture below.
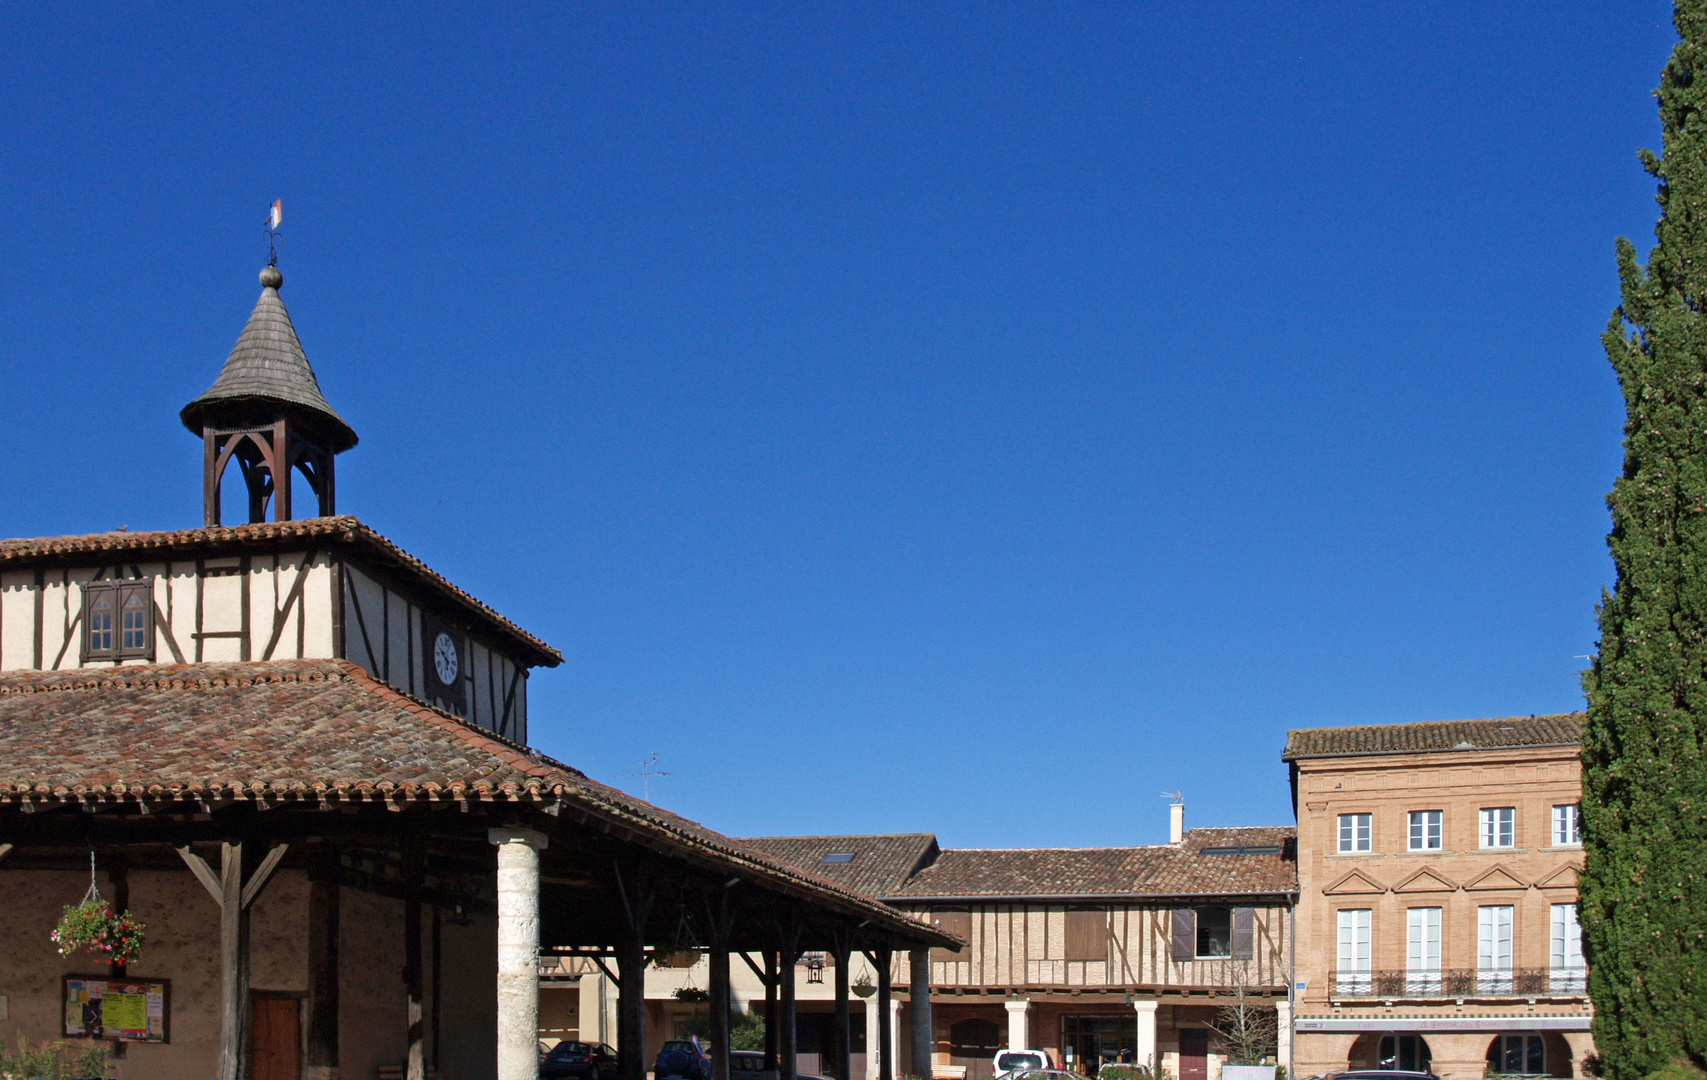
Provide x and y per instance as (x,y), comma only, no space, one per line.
(583,1061)
(681,1058)
(750,1065)
(1381,1074)
(1014,1061)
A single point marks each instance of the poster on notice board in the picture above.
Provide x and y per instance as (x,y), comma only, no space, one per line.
(132,1010)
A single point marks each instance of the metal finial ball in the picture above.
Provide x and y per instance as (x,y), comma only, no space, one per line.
(271,278)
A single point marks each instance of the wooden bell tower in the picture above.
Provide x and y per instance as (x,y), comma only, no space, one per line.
(266,412)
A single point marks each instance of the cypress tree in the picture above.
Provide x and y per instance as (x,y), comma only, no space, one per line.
(1644,890)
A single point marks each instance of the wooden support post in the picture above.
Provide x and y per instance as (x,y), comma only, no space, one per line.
(636,896)
(438,978)
(787,1041)
(722,924)
(412,970)
(924,1034)
(772,979)
(841,953)
(322,1034)
(233,895)
(886,1031)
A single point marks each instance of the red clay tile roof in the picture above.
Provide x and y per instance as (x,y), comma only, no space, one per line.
(880,864)
(1561,729)
(1158,871)
(343,533)
(306,729)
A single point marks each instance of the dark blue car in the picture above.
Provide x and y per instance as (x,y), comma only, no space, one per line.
(681,1059)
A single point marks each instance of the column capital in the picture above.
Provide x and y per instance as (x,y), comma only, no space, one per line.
(1017,1004)
(533,838)
(1144,1006)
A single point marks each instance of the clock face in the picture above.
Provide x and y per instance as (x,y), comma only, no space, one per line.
(445,659)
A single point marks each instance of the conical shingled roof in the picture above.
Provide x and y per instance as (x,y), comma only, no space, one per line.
(267,368)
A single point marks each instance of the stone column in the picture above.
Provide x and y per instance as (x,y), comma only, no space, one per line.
(1146,1054)
(894,1026)
(873,1038)
(1283,1035)
(1019,1029)
(518,951)
(924,1031)
(888,1012)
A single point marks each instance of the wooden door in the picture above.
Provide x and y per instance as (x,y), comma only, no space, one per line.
(274,1038)
(1193,1054)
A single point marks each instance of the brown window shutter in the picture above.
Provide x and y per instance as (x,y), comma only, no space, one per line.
(958,923)
(1244,932)
(1087,935)
(1183,934)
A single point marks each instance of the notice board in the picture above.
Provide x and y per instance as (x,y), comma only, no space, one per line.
(133,1010)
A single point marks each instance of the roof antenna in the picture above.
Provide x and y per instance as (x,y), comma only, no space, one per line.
(646,773)
(274,216)
(1177,796)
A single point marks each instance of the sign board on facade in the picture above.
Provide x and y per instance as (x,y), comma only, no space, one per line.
(1247,1072)
(132,1010)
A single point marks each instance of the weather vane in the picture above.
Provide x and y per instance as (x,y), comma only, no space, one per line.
(274,216)
(646,773)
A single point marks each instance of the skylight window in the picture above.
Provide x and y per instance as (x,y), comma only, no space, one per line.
(838,857)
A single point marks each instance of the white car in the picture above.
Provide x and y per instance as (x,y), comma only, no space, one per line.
(1020,1061)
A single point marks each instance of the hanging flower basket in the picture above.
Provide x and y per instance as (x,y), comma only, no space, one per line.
(93,927)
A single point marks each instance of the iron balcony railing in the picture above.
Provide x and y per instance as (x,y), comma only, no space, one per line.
(1458,983)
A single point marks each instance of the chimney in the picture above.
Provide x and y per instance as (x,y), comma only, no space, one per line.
(1176,823)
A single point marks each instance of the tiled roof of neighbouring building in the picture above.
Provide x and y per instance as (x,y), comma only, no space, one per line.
(1209,862)
(305,730)
(1560,729)
(343,532)
(880,864)
(1159,870)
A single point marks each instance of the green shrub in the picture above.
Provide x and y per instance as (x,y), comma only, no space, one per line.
(52,1061)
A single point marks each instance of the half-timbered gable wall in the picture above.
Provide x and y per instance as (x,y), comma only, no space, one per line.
(386,632)
(1053,945)
(251,607)
(325,588)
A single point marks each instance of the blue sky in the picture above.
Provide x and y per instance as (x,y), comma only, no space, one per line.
(966,418)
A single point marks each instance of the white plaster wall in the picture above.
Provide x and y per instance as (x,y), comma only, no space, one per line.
(271,579)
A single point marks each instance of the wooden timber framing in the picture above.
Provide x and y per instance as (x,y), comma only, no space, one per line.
(233,893)
(1023,946)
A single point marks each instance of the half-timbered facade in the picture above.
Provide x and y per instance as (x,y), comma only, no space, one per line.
(1095,955)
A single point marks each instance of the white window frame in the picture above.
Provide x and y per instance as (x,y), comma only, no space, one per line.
(1422,950)
(1428,830)
(1567,825)
(1356,833)
(1494,926)
(1567,971)
(1354,975)
(1499,826)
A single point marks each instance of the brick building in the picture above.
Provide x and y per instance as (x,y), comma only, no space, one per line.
(1437,919)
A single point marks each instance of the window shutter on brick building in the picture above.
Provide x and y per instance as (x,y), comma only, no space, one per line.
(1182,926)
(1244,932)
(1087,935)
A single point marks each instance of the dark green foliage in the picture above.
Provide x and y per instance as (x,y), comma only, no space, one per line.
(1644,892)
